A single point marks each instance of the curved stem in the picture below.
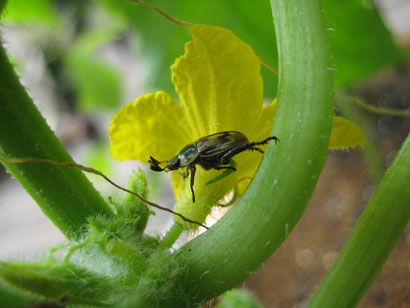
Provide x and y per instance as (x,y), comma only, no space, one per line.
(374,236)
(65,195)
(12,297)
(249,233)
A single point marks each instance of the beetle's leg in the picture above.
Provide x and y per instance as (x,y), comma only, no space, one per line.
(185,174)
(256,149)
(206,165)
(226,158)
(217,165)
(193,170)
(252,144)
(224,167)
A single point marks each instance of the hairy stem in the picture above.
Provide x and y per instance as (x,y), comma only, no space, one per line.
(65,195)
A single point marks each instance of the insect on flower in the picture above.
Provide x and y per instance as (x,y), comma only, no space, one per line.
(210,152)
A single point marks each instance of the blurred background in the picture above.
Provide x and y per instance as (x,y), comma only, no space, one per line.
(82,60)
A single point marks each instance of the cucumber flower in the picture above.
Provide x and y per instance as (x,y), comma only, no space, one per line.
(220,89)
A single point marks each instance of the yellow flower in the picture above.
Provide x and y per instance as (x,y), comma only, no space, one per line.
(220,89)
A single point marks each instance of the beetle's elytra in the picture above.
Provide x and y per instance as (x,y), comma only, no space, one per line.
(210,152)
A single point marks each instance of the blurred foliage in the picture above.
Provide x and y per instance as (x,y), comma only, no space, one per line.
(238,298)
(361,43)
(42,13)
(98,83)
(84,28)
(163,42)
(71,36)
(357,33)
(355,27)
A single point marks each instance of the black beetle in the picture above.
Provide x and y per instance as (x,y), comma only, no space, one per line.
(210,152)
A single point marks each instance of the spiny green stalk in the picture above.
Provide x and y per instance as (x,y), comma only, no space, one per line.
(12,297)
(65,195)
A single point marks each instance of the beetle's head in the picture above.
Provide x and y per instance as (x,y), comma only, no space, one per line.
(174,163)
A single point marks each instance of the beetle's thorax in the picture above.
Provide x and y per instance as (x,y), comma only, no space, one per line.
(184,158)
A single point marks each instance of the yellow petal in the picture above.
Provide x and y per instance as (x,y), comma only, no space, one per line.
(218,81)
(219,84)
(248,162)
(152,125)
(345,134)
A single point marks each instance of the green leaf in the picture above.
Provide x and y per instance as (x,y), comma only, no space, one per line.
(98,157)
(98,84)
(162,42)
(223,174)
(41,13)
(361,43)
(357,37)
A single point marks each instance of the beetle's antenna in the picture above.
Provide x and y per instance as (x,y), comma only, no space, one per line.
(99,173)
(154,164)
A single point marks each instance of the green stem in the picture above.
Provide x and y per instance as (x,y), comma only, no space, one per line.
(171,236)
(64,194)
(375,109)
(12,297)
(372,157)
(253,229)
(374,236)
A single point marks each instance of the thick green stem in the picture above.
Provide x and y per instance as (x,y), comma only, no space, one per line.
(249,233)
(374,236)
(12,297)
(64,194)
